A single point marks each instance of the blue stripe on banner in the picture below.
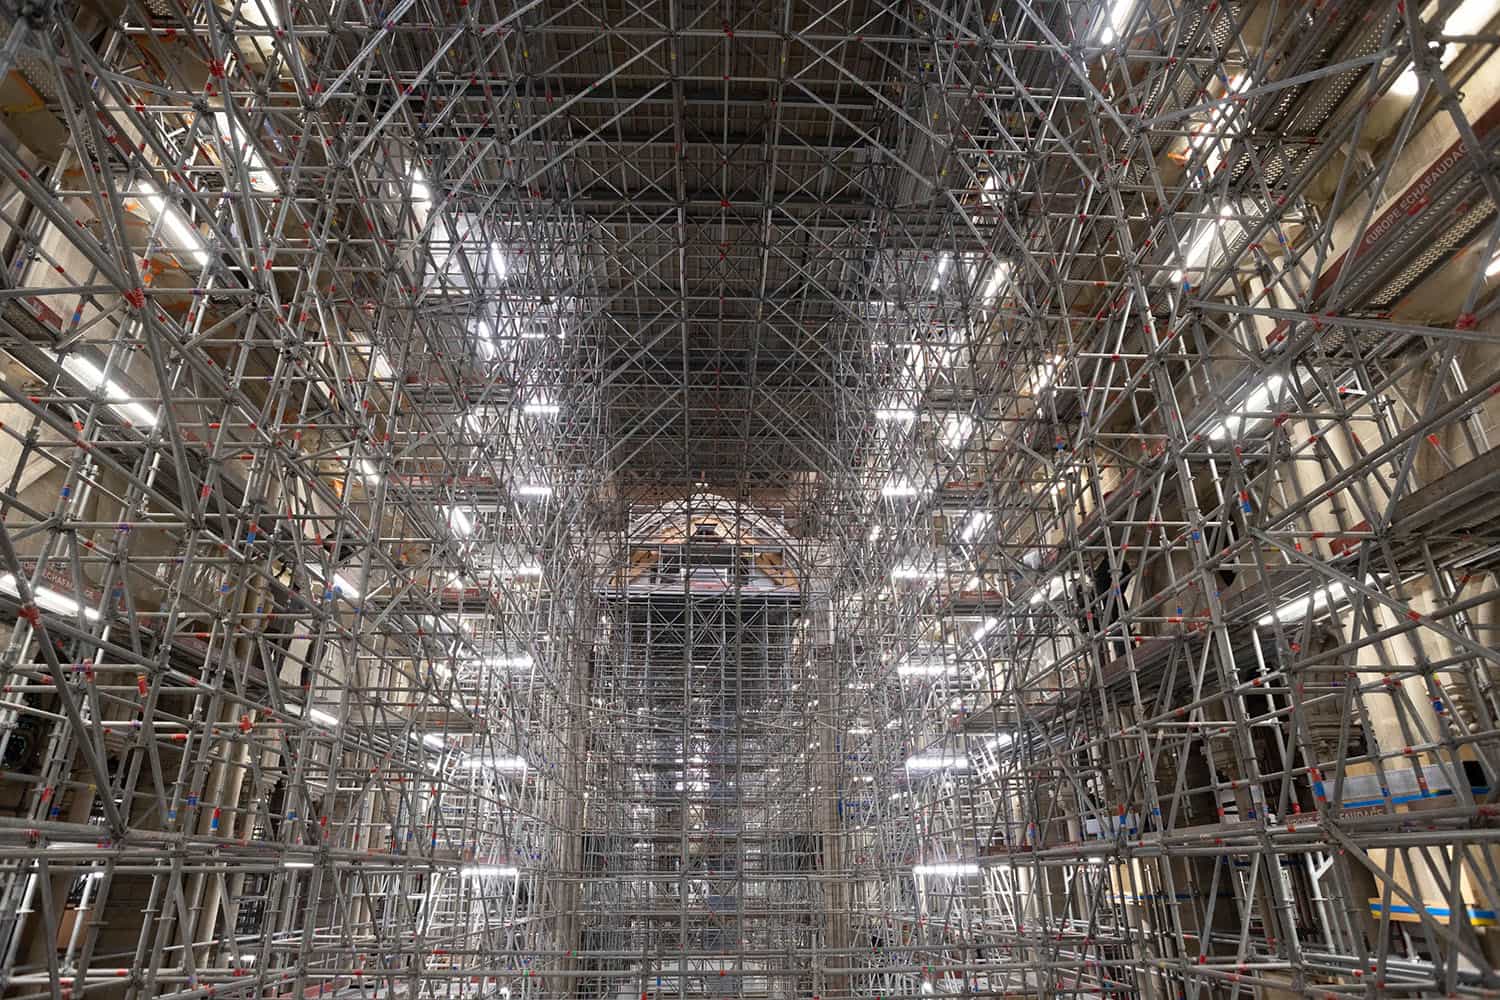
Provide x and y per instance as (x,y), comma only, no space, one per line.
(1476,916)
(1477,790)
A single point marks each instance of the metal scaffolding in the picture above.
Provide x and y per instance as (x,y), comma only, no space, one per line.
(774,500)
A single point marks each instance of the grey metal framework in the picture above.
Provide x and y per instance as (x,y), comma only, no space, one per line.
(755,498)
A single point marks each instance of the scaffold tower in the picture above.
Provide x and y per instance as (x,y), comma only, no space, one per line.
(749,499)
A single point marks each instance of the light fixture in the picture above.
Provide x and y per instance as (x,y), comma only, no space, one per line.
(533,490)
(180,230)
(47,598)
(985,628)
(1222,126)
(914,573)
(1468,18)
(460,521)
(526,569)
(1201,249)
(244,150)
(1053,590)
(1046,373)
(521,661)
(956,430)
(484,330)
(489,762)
(896,414)
(1326,597)
(1256,403)
(999,279)
(297,864)
(380,367)
(977,522)
(260,12)
(323,718)
(491,871)
(1115,20)
(942,269)
(94,379)
(541,408)
(925,669)
(898,488)
(946,868)
(936,762)
(420,192)
(1000,742)
(497,261)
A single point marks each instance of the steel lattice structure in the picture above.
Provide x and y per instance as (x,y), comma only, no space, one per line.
(750,499)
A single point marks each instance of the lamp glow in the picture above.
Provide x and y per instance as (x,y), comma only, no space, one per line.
(47,598)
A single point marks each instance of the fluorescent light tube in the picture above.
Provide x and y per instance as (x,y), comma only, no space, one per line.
(1319,600)
(942,269)
(924,669)
(86,372)
(482,762)
(1259,401)
(180,230)
(47,598)
(1115,21)
(491,871)
(956,430)
(1046,373)
(946,868)
(999,279)
(520,661)
(233,136)
(934,762)
(262,12)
